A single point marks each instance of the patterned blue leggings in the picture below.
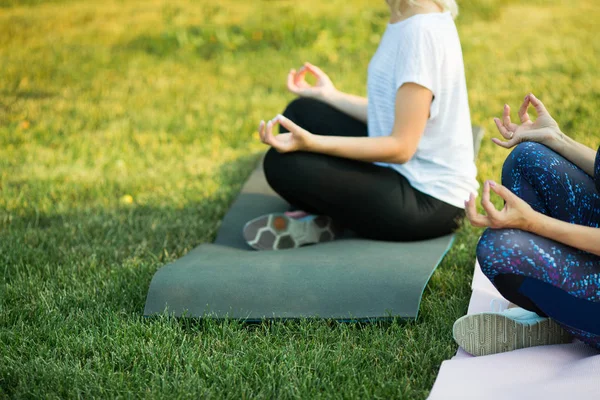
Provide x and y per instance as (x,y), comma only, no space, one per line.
(537,273)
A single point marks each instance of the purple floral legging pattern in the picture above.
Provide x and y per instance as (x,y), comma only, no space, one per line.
(556,187)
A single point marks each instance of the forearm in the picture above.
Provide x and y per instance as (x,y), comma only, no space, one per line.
(355,106)
(578,236)
(387,149)
(577,153)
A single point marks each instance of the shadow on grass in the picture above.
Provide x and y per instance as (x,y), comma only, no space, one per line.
(107,255)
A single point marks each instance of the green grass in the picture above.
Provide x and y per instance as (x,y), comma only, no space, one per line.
(126,130)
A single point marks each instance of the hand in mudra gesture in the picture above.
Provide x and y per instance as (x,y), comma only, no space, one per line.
(516,213)
(542,130)
(296,82)
(297,139)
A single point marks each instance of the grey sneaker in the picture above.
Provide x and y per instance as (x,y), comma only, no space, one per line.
(514,328)
(280,231)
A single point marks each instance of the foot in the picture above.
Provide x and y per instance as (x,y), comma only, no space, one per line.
(511,329)
(281,231)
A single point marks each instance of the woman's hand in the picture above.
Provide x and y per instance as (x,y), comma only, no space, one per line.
(297,84)
(516,213)
(297,139)
(543,130)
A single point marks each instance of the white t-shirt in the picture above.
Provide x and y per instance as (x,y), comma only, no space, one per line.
(425,49)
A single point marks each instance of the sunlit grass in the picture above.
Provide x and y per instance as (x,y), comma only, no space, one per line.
(127,128)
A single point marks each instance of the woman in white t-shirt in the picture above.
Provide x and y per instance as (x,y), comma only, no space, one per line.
(397,165)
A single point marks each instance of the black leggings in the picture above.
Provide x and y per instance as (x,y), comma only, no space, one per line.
(373,201)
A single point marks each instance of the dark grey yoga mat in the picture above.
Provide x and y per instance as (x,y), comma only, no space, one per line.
(348,279)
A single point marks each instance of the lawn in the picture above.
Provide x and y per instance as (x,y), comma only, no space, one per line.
(128,126)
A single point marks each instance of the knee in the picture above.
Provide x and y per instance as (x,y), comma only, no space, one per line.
(522,157)
(273,165)
(300,111)
(300,106)
(501,251)
(280,168)
(492,253)
(485,251)
(526,151)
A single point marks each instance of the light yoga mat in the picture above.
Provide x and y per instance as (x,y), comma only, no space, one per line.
(565,371)
(347,279)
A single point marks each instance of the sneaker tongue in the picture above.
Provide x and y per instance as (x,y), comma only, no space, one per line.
(297,214)
(498,305)
(521,314)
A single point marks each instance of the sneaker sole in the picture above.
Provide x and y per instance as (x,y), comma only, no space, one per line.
(491,333)
(279,232)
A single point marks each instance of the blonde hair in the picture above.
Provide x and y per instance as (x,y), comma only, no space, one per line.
(446,5)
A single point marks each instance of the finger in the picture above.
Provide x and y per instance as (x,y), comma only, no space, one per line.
(291,82)
(300,75)
(316,71)
(523,115)
(506,116)
(268,135)
(261,131)
(264,133)
(539,106)
(507,145)
(473,216)
(486,203)
(300,79)
(503,130)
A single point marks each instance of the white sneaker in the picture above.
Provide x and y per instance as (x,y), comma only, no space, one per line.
(514,328)
(280,231)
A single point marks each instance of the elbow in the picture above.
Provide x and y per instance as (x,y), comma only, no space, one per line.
(401,154)
(402,158)
(399,149)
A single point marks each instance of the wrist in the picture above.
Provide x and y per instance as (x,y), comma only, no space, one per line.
(532,221)
(311,143)
(331,96)
(556,141)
